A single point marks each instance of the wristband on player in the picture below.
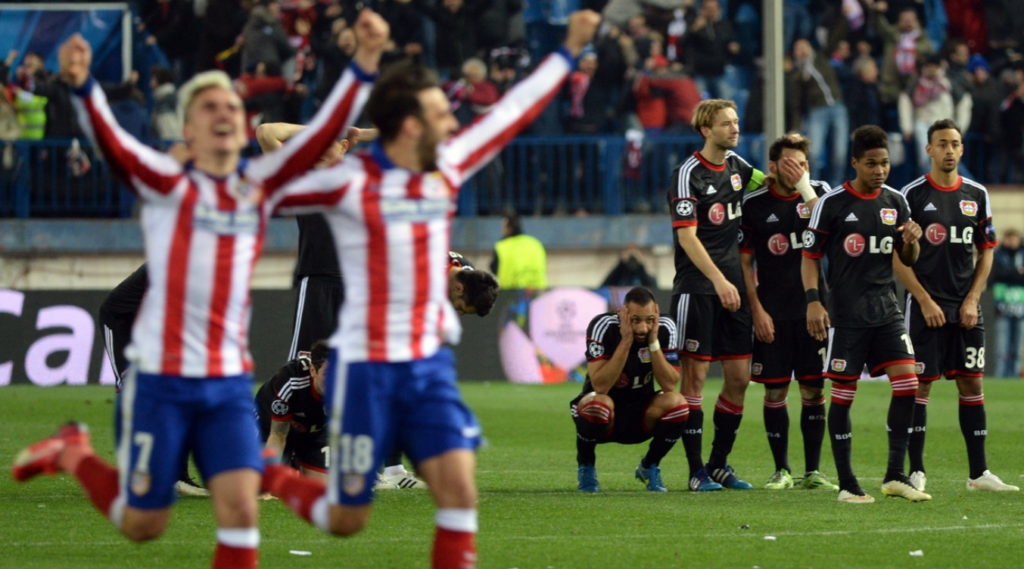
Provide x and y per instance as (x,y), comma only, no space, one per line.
(804,188)
(654,346)
(812,295)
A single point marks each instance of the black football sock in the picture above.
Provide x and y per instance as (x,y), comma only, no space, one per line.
(900,418)
(776,426)
(667,431)
(840,431)
(586,451)
(726,418)
(972,425)
(812,425)
(915,450)
(693,435)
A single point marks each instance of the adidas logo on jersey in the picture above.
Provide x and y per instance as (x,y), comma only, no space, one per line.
(930,207)
(711,190)
(772,218)
(851,217)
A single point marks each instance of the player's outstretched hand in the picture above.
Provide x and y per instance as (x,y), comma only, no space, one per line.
(911,232)
(728,294)
(582,27)
(969,313)
(75,57)
(625,326)
(933,315)
(372,33)
(652,335)
(817,321)
(764,327)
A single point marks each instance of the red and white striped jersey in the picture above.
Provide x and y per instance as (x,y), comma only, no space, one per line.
(392,227)
(203,234)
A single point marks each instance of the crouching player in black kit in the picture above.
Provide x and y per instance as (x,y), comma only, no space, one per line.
(774,220)
(619,403)
(944,289)
(858,226)
(290,412)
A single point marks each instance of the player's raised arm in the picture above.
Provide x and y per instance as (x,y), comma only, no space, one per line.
(664,356)
(605,371)
(145,171)
(340,110)
(474,146)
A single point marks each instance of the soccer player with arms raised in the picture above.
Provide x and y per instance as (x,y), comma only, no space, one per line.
(943,295)
(393,381)
(858,226)
(189,386)
(712,316)
(774,220)
(628,352)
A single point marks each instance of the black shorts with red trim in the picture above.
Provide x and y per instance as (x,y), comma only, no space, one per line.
(849,349)
(709,332)
(306,450)
(627,421)
(793,354)
(948,350)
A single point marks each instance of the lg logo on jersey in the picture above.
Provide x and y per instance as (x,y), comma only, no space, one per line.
(855,245)
(719,213)
(779,245)
(936,234)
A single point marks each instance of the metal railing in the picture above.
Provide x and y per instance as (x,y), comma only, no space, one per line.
(533,176)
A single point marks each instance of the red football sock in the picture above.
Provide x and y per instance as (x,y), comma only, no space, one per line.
(236,549)
(99,480)
(454,549)
(297,492)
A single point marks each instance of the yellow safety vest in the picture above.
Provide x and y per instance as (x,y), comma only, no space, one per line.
(522,262)
(31,116)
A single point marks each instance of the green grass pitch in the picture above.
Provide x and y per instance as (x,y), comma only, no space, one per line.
(531,516)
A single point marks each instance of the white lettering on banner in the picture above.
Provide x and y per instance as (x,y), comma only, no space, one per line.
(11,302)
(77,344)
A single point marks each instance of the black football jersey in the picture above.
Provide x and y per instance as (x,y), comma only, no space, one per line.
(636,384)
(457,260)
(858,233)
(955,221)
(773,229)
(317,255)
(710,197)
(289,396)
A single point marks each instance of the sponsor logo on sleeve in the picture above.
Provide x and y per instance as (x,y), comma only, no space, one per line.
(969,208)
(888,216)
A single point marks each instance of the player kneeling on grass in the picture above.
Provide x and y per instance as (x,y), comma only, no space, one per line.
(627,352)
(290,412)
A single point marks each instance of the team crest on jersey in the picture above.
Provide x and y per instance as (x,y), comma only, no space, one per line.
(141,482)
(737,182)
(755,369)
(919,368)
(888,216)
(596,350)
(280,407)
(969,208)
(684,208)
(692,345)
(245,191)
(839,365)
(645,355)
(808,239)
(803,211)
(353,484)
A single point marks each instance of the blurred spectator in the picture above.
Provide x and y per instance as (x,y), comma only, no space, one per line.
(617,56)
(173,26)
(545,22)
(987,97)
(1005,23)
(472,95)
(928,100)
(494,29)
(862,97)
(32,76)
(630,270)
(817,89)
(217,43)
(905,44)
(456,24)
(665,97)
(1007,283)
(264,39)
(642,36)
(335,54)
(955,58)
(406,24)
(586,104)
(1011,122)
(797,22)
(31,113)
(520,260)
(268,96)
(709,46)
(840,62)
(969,23)
(166,122)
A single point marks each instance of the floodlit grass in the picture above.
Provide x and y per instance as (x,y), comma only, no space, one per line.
(532,517)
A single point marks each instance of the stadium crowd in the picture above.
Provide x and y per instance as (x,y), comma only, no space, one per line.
(900,64)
